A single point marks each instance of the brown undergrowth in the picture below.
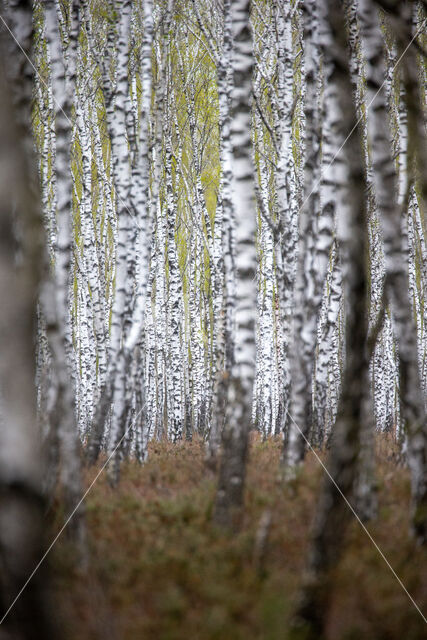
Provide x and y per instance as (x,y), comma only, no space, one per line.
(159,569)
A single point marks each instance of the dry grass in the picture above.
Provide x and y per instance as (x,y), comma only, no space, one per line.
(159,569)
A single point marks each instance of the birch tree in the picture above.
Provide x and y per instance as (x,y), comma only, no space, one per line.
(22,462)
(229,495)
(55,294)
(332,513)
(315,242)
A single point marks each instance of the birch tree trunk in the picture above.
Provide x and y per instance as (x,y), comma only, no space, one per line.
(332,513)
(315,242)
(22,463)
(287,196)
(229,497)
(55,294)
(223,262)
(122,181)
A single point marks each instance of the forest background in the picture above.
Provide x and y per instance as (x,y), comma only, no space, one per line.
(232,237)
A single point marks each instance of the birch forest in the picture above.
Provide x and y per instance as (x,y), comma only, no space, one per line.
(213,319)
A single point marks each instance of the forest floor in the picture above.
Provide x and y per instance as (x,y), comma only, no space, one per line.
(160,570)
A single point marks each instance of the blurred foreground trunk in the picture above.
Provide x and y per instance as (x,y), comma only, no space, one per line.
(21,259)
(333,514)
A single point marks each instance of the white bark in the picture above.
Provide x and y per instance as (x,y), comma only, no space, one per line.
(235,434)
(55,297)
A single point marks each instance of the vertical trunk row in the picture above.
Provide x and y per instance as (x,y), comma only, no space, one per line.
(397,279)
